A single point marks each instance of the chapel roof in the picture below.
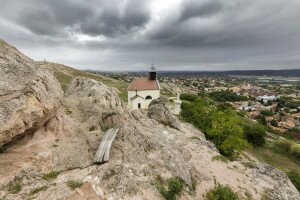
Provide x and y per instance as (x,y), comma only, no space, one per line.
(143,84)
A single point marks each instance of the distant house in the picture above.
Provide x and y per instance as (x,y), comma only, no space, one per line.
(142,91)
(266,98)
(248,108)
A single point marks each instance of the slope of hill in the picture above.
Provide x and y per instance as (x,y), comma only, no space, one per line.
(152,149)
(65,74)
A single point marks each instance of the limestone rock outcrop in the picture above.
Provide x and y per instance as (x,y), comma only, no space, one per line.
(158,110)
(29,96)
(149,144)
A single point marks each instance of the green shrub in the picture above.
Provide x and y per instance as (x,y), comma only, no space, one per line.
(188,97)
(173,190)
(220,158)
(266,112)
(242,113)
(295,178)
(262,120)
(92,128)
(74,184)
(295,150)
(14,188)
(255,134)
(51,176)
(221,127)
(226,133)
(2,149)
(274,123)
(104,126)
(37,190)
(220,192)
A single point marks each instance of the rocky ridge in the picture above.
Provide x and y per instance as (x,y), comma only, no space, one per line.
(149,144)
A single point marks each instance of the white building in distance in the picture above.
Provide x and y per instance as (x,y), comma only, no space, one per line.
(142,91)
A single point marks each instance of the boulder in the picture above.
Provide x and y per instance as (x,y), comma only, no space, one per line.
(159,111)
(29,96)
(93,99)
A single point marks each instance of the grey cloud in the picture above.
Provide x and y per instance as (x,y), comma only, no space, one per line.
(116,20)
(191,35)
(193,9)
(57,18)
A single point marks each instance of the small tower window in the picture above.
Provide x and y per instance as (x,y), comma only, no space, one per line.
(148,97)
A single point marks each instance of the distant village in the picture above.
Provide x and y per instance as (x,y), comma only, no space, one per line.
(273,102)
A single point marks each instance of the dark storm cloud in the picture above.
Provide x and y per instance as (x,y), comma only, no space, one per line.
(57,18)
(223,23)
(183,34)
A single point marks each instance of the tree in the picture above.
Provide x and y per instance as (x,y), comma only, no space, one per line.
(262,120)
(266,112)
(255,134)
(274,123)
(226,134)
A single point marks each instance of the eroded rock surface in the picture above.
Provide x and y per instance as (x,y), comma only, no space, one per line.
(158,110)
(148,144)
(29,96)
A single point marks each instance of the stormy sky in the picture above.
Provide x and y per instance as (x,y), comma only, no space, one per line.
(177,34)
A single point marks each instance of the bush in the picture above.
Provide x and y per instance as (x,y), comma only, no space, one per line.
(37,190)
(188,97)
(255,134)
(51,176)
(226,133)
(14,188)
(175,187)
(221,127)
(74,184)
(221,193)
(295,179)
(295,150)
(92,128)
(266,112)
(220,158)
(274,123)
(262,120)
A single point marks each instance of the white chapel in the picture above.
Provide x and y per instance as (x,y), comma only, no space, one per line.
(142,91)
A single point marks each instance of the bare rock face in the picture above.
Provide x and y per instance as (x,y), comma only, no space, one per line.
(29,96)
(282,186)
(159,111)
(94,100)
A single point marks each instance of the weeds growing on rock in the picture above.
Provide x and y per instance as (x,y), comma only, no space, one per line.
(51,176)
(37,190)
(295,178)
(249,164)
(2,149)
(220,158)
(172,190)
(92,128)
(220,192)
(104,126)
(74,184)
(14,188)
(195,138)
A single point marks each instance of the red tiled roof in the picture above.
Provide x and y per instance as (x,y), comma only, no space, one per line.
(143,84)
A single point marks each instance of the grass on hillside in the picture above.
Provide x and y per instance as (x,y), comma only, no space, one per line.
(276,157)
(65,79)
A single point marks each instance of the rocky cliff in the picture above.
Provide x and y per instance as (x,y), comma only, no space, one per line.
(59,152)
(29,96)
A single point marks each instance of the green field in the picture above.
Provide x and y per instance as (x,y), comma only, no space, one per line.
(276,157)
